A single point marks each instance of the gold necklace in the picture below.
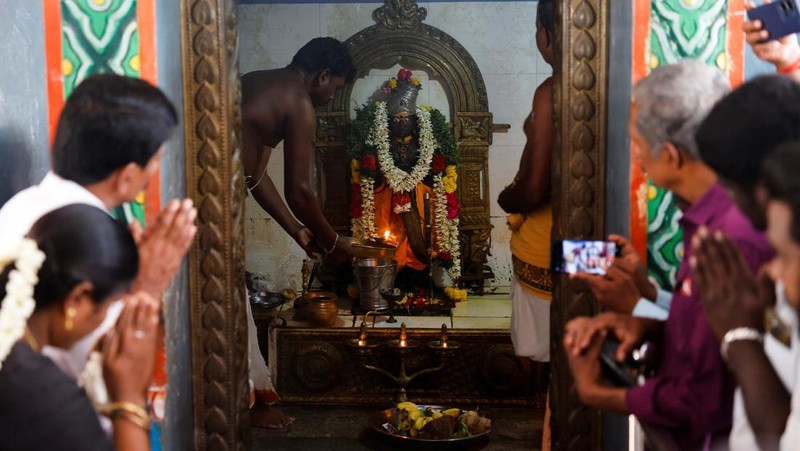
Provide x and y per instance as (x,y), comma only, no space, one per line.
(31,340)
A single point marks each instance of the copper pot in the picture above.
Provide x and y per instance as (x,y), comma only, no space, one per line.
(321,309)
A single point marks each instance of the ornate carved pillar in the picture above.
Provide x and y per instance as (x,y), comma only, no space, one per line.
(579,210)
(215,181)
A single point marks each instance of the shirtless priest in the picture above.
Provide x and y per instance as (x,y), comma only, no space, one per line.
(278,105)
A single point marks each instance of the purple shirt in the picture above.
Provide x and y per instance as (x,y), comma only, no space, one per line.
(692,394)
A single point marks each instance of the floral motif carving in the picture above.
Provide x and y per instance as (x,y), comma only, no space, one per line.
(400,14)
(471,129)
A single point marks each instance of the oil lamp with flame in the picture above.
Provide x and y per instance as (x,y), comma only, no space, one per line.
(403,346)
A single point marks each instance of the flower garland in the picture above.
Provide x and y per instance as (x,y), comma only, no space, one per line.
(399,180)
(449,255)
(370,148)
(18,304)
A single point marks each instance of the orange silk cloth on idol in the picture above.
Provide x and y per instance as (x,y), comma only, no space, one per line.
(386,218)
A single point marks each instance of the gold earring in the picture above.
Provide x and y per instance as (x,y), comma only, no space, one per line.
(69,322)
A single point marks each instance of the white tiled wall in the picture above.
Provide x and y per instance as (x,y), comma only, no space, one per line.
(498,35)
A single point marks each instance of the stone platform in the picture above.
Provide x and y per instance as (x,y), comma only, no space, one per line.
(316,366)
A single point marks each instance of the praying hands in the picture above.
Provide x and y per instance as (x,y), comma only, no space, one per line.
(163,245)
(731,296)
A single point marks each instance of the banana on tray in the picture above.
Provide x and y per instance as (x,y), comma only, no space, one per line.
(436,424)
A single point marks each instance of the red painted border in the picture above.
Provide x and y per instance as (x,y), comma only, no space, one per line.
(735,44)
(639,69)
(146,21)
(55,78)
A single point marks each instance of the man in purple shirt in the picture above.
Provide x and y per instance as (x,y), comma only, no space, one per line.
(691,395)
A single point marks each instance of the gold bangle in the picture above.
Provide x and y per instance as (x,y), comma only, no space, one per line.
(135,413)
(125,415)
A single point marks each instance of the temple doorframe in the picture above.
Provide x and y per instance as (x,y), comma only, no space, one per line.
(214,179)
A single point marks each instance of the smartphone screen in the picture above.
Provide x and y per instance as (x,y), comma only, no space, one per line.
(574,256)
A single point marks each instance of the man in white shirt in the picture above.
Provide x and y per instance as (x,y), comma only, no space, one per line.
(736,303)
(107,147)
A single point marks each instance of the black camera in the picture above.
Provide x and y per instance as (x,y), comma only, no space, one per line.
(631,372)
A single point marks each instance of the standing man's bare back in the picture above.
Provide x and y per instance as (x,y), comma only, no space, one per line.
(278,105)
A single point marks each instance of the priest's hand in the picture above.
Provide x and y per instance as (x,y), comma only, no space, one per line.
(731,296)
(343,251)
(305,238)
(163,245)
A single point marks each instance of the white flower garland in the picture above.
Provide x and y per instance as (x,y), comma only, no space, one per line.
(446,230)
(398,179)
(18,304)
(364,227)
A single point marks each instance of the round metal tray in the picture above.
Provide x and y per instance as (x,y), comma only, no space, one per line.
(266,300)
(372,249)
(378,419)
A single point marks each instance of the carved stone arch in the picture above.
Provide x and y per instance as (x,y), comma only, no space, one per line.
(428,48)
(401,38)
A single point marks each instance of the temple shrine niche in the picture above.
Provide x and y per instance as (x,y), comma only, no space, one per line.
(396,170)
(461,239)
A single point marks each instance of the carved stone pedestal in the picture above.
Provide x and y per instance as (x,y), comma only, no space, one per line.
(315,366)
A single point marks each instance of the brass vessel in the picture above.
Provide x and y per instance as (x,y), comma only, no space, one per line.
(320,308)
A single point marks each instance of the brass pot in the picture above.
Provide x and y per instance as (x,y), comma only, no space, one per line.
(321,309)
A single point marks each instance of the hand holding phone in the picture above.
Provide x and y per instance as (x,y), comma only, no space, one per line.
(780,18)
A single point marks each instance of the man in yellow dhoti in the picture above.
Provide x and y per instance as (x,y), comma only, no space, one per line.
(531,220)
(527,198)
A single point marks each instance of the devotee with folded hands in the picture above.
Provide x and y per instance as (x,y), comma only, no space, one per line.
(737,136)
(107,147)
(736,302)
(56,286)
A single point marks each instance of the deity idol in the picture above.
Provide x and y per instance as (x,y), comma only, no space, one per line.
(401,152)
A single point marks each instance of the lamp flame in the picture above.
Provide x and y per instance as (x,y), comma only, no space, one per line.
(362,336)
(403,342)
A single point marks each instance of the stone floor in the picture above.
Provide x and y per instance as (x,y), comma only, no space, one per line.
(329,428)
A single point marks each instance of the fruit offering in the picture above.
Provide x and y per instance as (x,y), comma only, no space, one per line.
(426,422)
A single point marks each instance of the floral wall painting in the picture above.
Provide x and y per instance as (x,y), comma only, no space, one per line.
(85,37)
(664,32)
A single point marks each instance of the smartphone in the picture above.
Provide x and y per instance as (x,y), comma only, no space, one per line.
(780,18)
(574,256)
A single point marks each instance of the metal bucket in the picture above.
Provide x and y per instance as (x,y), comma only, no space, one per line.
(374,275)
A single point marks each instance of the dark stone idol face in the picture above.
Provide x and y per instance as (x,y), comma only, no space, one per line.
(401,126)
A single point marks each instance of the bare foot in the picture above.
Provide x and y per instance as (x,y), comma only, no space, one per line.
(268,417)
